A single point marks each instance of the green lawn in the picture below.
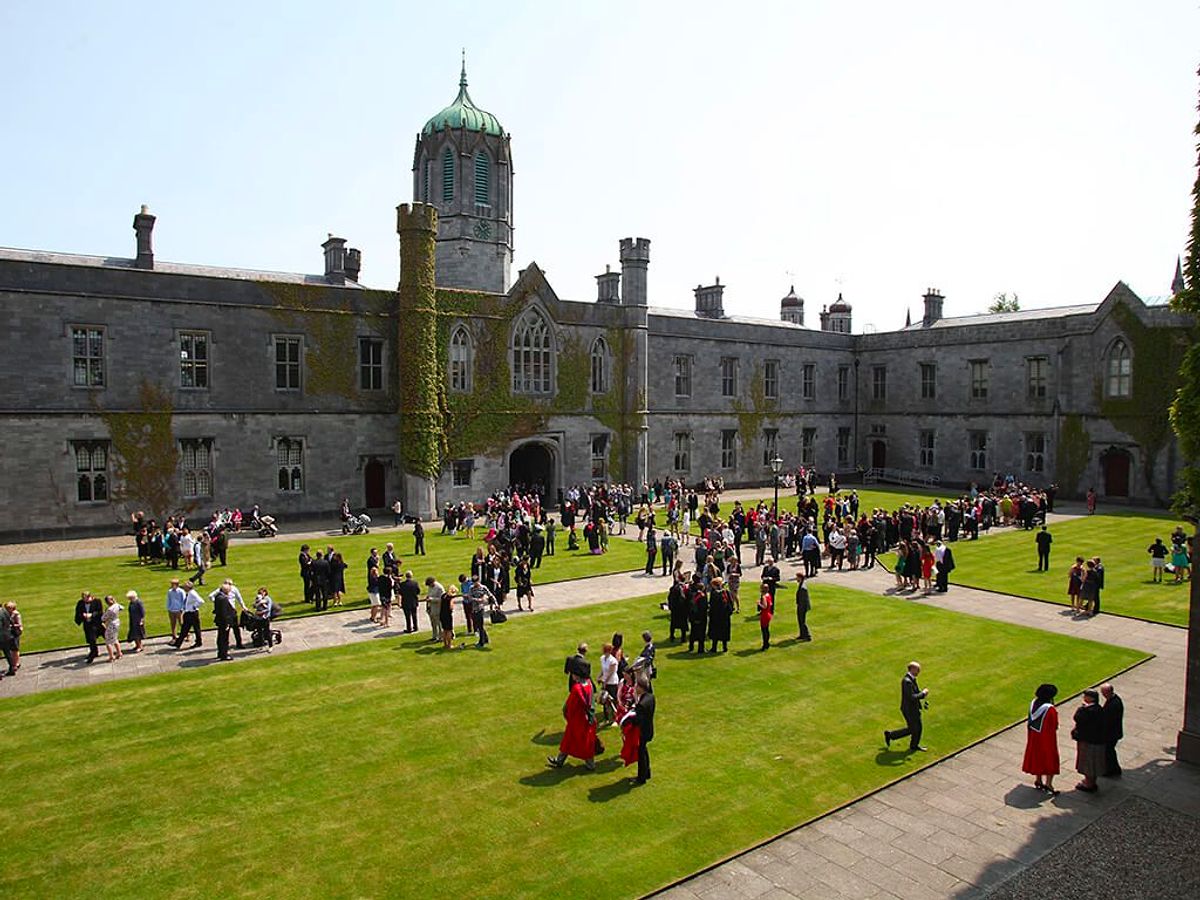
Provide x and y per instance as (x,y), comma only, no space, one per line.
(1006,561)
(47,592)
(389,767)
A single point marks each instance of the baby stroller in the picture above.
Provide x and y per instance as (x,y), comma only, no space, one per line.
(357,524)
(266,526)
(260,628)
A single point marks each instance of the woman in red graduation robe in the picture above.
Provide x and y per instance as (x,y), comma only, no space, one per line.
(579,737)
(1041,740)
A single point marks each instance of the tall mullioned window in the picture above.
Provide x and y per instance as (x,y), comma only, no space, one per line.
(770,445)
(483,179)
(195,466)
(928,381)
(771,379)
(808,381)
(447,175)
(683,376)
(531,355)
(683,451)
(1120,370)
(879,382)
(1035,367)
(979,379)
(600,366)
(1035,451)
(370,364)
(977,441)
(461,352)
(925,450)
(91,471)
(287,363)
(808,446)
(87,356)
(729,372)
(843,383)
(843,447)
(729,449)
(289,457)
(193,359)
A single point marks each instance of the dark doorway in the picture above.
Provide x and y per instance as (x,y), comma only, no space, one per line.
(878,455)
(1116,473)
(531,465)
(375,484)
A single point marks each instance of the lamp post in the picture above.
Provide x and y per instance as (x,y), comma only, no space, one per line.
(776,468)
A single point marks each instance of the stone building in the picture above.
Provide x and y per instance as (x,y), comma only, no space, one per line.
(134,383)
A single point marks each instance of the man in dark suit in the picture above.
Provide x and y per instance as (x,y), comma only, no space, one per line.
(1114,729)
(409,593)
(578,665)
(803,605)
(911,697)
(1043,547)
(224,617)
(770,576)
(697,615)
(944,558)
(643,711)
(321,577)
(88,612)
(305,560)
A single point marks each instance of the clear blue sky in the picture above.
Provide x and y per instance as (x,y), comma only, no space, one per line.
(875,148)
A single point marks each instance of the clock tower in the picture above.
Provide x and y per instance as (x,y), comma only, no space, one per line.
(463,166)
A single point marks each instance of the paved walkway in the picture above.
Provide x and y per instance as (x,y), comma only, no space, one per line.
(957,828)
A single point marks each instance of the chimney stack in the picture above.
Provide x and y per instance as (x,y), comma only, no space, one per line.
(710,300)
(335,259)
(353,264)
(608,286)
(933,307)
(635,260)
(143,227)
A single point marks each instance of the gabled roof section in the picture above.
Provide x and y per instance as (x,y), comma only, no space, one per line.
(532,280)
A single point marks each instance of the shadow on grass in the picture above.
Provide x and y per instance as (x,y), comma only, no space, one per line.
(547,740)
(893,757)
(612,790)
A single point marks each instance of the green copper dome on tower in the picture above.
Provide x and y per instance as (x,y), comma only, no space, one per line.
(463,113)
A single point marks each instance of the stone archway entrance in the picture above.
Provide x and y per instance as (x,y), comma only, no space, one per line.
(532,465)
(374,484)
(1115,464)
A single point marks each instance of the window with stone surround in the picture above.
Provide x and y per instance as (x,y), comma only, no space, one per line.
(977,442)
(195,467)
(878,382)
(843,448)
(925,449)
(1035,451)
(1119,369)
(87,356)
(287,363)
(979,379)
(531,354)
(808,381)
(729,449)
(928,381)
(1036,370)
(289,458)
(683,451)
(682,364)
(91,471)
(843,383)
(461,355)
(808,447)
(193,360)
(370,364)
(462,470)
(770,439)
(771,379)
(729,376)
(600,366)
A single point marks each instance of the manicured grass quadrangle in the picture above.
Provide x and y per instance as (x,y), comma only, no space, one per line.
(391,768)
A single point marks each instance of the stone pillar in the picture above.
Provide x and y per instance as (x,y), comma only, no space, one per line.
(421,436)
(1187,745)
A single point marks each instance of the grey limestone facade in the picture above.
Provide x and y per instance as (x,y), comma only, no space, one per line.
(288,391)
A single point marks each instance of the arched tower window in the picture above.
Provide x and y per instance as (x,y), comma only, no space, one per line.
(600,366)
(461,360)
(483,179)
(1119,381)
(447,175)
(426,174)
(531,354)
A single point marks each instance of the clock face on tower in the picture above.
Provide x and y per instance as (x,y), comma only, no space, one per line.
(483,230)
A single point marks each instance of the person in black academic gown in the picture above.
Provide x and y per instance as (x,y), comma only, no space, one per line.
(88,612)
(1114,729)
(677,603)
(644,720)
(720,614)
(698,614)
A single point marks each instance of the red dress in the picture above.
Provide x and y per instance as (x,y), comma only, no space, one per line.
(579,738)
(1041,741)
(631,738)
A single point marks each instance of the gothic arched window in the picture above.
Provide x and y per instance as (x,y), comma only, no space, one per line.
(447,175)
(483,179)
(1119,381)
(462,352)
(600,366)
(531,354)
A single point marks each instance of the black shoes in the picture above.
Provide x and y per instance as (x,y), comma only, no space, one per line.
(887,739)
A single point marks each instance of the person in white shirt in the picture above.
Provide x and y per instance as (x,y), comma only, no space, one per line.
(191,616)
(609,679)
(187,548)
